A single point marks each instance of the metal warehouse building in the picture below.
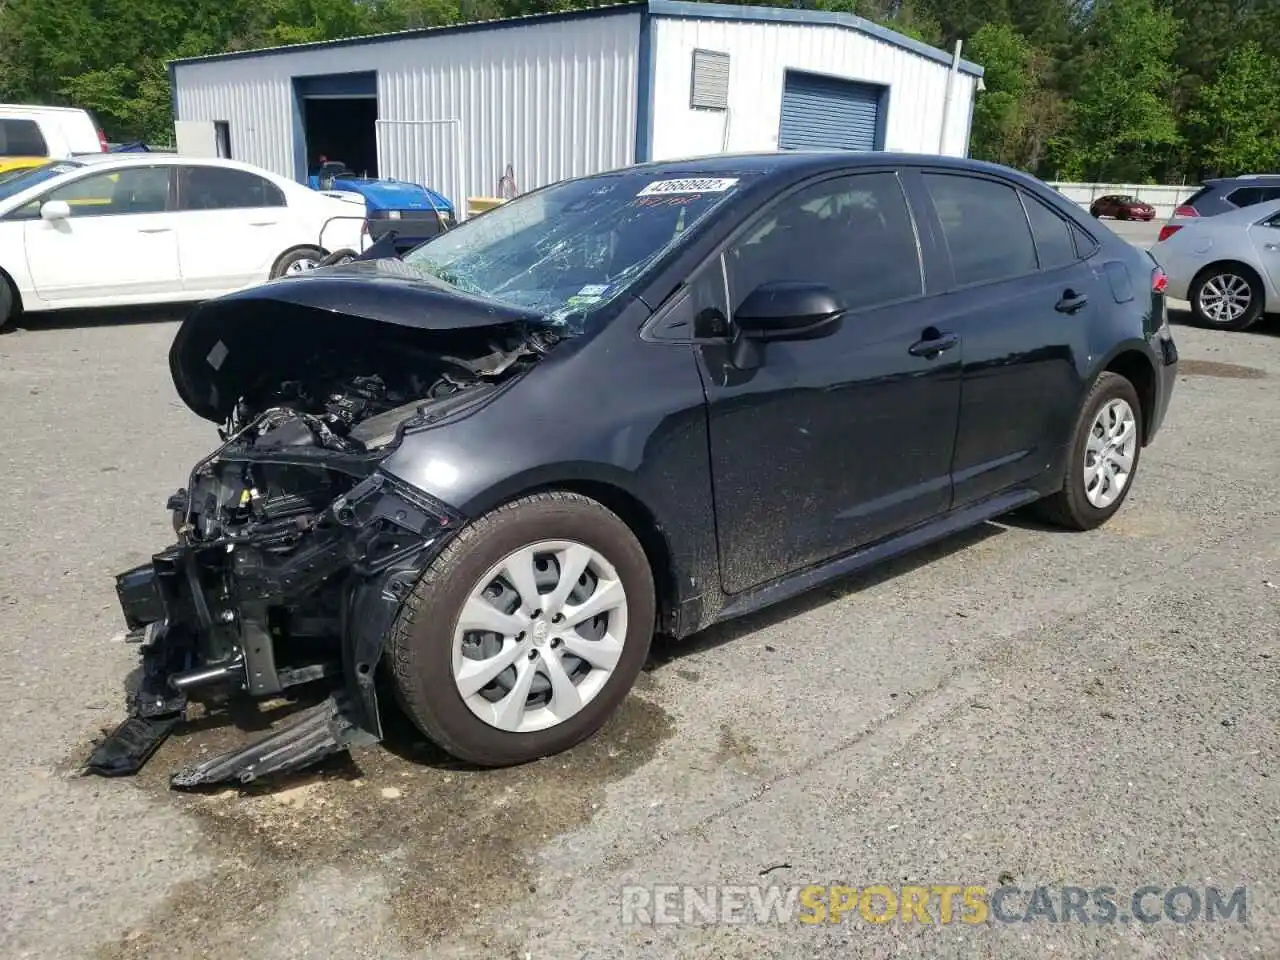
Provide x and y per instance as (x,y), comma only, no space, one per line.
(470,108)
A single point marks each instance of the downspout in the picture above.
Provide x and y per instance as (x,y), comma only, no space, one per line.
(952,76)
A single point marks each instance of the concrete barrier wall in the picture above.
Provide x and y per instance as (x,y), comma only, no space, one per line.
(1163,198)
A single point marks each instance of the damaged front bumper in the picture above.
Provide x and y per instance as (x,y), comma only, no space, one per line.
(251,612)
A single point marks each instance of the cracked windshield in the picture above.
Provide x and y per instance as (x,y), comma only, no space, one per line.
(571,248)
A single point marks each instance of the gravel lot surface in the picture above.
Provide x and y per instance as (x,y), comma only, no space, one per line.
(1016,706)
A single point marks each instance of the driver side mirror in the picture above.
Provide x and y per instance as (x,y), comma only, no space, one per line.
(55,210)
(789,310)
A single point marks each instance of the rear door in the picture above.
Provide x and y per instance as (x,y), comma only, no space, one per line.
(1021,297)
(232,227)
(118,246)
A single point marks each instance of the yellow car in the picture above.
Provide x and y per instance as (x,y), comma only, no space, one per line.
(10,165)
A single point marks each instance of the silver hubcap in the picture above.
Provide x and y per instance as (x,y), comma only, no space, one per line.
(539,636)
(1225,298)
(301,266)
(1109,453)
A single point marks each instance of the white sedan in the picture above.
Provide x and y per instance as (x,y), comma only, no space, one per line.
(124,229)
(1227,265)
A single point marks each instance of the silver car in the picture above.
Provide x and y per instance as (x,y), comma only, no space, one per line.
(1227,266)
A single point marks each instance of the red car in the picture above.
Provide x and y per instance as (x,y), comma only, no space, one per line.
(1122,208)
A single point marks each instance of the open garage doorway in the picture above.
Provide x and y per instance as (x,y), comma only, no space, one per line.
(339,114)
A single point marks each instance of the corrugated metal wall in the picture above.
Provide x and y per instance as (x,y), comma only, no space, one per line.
(761,53)
(553,100)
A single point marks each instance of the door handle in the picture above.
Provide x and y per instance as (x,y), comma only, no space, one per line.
(155,229)
(930,347)
(1071,302)
(263,223)
(1272,246)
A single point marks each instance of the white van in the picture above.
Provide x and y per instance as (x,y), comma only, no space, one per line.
(58,133)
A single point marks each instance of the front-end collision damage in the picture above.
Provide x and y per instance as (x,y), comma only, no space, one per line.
(294,552)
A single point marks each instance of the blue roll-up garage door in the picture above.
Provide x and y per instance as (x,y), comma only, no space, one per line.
(826,112)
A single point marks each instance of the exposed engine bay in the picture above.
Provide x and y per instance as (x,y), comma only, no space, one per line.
(293,551)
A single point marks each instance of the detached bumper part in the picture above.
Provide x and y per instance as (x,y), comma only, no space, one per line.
(328,728)
(253,613)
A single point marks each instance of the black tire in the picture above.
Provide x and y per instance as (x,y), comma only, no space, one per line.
(296,257)
(1222,272)
(1070,506)
(421,643)
(346,255)
(1122,215)
(8,303)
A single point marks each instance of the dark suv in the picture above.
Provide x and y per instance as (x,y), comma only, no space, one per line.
(1230,193)
(481,477)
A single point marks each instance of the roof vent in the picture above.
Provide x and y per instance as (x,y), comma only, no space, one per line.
(710,86)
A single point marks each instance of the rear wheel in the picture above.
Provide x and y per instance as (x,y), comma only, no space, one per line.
(1226,297)
(527,632)
(296,262)
(1105,447)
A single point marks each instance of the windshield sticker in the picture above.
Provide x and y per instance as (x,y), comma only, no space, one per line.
(690,185)
(594,290)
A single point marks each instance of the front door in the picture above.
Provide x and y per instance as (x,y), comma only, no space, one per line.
(831,443)
(119,243)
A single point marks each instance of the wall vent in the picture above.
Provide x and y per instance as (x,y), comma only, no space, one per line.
(710,87)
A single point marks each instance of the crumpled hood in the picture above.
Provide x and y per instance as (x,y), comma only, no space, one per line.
(230,345)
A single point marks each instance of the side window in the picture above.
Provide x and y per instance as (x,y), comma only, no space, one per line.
(220,188)
(1245,197)
(134,190)
(22,138)
(854,234)
(985,228)
(1054,245)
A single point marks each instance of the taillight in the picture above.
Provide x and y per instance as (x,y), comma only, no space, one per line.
(1186,211)
(102,140)
(1159,281)
(1167,231)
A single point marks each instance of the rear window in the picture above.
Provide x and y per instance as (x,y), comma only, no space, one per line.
(21,138)
(1196,197)
(1248,196)
(1054,245)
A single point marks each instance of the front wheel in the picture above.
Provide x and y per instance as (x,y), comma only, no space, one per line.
(8,303)
(526,633)
(1103,460)
(1226,298)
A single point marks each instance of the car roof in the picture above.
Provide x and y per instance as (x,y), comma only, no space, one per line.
(1244,178)
(37,108)
(155,156)
(791,163)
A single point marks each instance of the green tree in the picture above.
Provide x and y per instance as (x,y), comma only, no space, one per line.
(1121,121)
(1235,123)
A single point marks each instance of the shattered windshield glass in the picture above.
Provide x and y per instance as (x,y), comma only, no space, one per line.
(571,248)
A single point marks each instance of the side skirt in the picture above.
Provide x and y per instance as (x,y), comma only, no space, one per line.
(794,584)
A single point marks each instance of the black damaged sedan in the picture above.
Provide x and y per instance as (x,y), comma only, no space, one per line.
(480,478)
